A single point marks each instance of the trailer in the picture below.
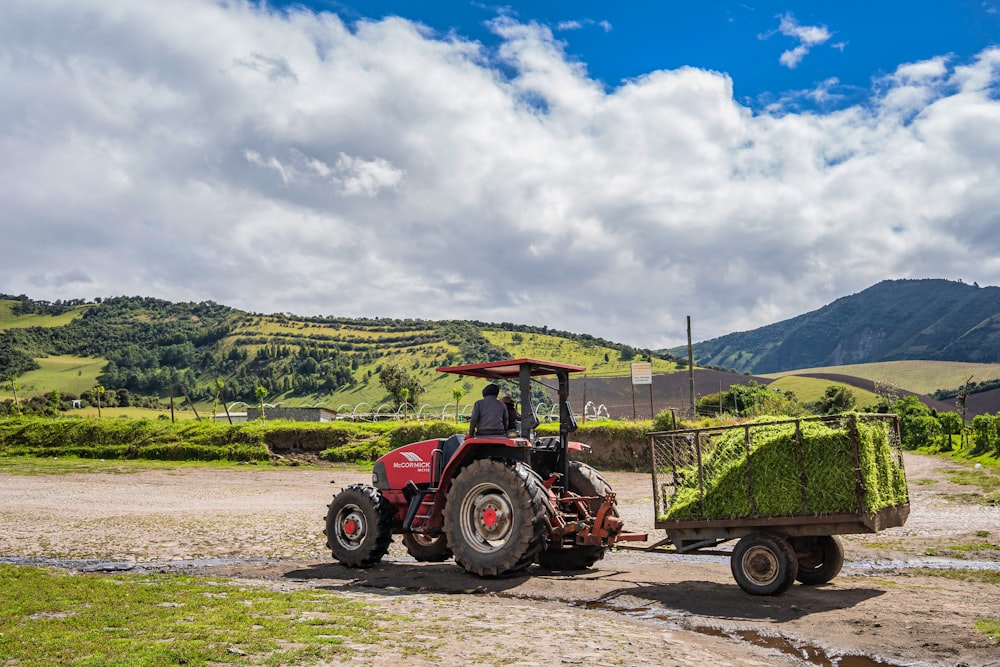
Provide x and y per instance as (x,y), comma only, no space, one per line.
(784,489)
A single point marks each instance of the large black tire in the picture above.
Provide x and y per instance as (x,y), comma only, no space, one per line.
(764,564)
(425,548)
(584,481)
(497,517)
(820,558)
(359,526)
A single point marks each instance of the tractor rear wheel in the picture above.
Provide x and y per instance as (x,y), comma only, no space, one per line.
(359,526)
(764,564)
(583,481)
(427,548)
(820,558)
(497,517)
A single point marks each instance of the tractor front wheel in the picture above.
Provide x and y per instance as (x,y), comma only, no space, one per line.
(359,526)
(497,517)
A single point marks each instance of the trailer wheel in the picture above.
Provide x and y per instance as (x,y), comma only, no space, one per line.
(496,517)
(585,481)
(820,558)
(359,526)
(427,548)
(764,564)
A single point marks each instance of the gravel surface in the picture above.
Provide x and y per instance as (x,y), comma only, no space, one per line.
(632,608)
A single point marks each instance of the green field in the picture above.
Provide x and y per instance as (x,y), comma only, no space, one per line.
(141,413)
(68,374)
(921,377)
(555,348)
(420,361)
(11,321)
(810,390)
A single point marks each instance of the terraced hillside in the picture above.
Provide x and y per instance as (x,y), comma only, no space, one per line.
(148,347)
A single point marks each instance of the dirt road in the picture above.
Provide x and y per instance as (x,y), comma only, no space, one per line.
(631,609)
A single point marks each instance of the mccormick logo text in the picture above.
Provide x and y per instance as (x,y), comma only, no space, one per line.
(413,460)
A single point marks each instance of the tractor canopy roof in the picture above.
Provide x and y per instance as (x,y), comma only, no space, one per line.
(511,369)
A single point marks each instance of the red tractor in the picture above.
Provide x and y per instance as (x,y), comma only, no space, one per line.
(497,504)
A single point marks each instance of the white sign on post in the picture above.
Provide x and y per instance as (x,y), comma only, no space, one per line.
(642,372)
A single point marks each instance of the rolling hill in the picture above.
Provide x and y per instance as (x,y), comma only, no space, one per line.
(146,346)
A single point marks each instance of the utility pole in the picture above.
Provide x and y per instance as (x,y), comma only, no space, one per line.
(690,367)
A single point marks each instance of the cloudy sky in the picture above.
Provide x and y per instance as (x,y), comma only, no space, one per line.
(603,171)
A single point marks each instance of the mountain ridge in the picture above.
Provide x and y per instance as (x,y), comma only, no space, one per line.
(929,319)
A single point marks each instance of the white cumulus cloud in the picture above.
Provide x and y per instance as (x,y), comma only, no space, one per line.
(287,161)
(807,37)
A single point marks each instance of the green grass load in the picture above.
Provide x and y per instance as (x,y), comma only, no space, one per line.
(775,480)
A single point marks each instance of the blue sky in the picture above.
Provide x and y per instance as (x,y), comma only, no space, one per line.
(851,42)
(607,169)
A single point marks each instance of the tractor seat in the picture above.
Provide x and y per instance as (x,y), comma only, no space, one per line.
(449,446)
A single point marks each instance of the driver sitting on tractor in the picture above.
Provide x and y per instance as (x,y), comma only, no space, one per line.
(489,416)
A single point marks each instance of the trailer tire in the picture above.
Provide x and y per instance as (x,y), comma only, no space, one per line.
(764,564)
(497,517)
(585,481)
(820,558)
(427,548)
(359,526)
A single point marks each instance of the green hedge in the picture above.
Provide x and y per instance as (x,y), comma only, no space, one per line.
(131,439)
(614,445)
(209,441)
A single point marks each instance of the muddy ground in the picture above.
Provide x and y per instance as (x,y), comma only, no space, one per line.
(633,608)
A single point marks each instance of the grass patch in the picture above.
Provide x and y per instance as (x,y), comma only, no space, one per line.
(882,545)
(986,479)
(136,413)
(977,550)
(810,390)
(68,465)
(546,346)
(51,617)
(10,321)
(69,374)
(981,477)
(966,498)
(962,574)
(989,626)
(975,546)
(922,377)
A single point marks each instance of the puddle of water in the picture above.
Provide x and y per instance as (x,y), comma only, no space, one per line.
(812,655)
